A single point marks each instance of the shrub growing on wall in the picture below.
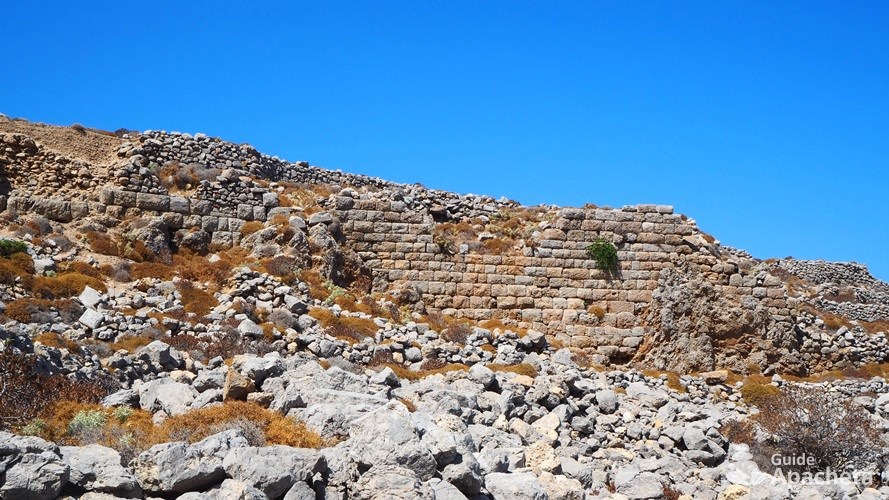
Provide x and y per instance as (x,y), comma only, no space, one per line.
(604,253)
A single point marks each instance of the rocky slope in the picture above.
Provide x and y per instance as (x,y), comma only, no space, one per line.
(189,318)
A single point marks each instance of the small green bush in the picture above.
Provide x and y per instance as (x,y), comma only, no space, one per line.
(85,422)
(604,253)
(10,247)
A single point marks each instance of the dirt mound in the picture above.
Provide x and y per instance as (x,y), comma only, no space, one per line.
(92,146)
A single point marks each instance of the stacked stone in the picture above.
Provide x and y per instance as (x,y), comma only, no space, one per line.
(34,171)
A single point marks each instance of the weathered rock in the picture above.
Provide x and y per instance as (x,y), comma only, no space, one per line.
(518,486)
(30,468)
(273,469)
(388,436)
(391,482)
(237,386)
(179,467)
(97,468)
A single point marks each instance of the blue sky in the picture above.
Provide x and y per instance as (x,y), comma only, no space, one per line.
(767,122)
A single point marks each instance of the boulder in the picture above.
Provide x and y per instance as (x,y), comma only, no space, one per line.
(237,386)
(30,468)
(390,482)
(273,469)
(518,486)
(388,436)
(97,468)
(179,467)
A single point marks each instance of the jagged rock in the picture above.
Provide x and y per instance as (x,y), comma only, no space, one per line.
(231,489)
(197,241)
(90,297)
(388,436)
(237,386)
(154,233)
(518,486)
(161,355)
(392,482)
(164,394)
(30,468)
(179,467)
(273,469)
(97,468)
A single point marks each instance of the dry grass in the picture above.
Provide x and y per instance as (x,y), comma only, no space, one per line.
(131,431)
(51,339)
(873,327)
(672,381)
(347,328)
(157,270)
(118,247)
(196,300)
(64,285)
(498,324)
(317,289)
(739,431)
(757,390)
(28,309)
(597,311)
(199,269)
(251,227)
(130,343)
(526,369)
(24,394)
(835,321)
(17,265)
(412,375)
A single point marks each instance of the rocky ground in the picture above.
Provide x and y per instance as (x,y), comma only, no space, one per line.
(137,363)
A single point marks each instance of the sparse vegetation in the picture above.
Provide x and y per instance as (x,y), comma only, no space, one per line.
(26,394)
(604,253)
(809,421)
(348,328)
(519,369)
(12,247)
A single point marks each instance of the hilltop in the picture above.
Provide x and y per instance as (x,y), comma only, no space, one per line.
(181,295)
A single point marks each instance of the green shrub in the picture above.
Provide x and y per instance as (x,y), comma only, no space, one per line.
(9,247)
(85,422)
(604,253)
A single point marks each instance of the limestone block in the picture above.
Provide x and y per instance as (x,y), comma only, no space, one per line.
(156,202)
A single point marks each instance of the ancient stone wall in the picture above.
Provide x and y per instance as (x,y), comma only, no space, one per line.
(553,286)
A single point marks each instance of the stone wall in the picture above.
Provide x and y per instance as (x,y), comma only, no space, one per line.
(553,286)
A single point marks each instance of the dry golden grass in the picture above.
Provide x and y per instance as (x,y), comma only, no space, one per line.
(520,369)
(51,339)
(348,328)
(498,324)
(196,300)
(597,311)
(80,267)
(199,269)
(157,270)
(118,247)
(757,389)
(835,321)
(876,326)
(411,407)
(64,285)
(130,343)
(412,375)
(672,379)
(313,279)
(135,429)
(251,227)
(22,310)
(17,265)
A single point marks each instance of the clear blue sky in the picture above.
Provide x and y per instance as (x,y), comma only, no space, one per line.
(767,122)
